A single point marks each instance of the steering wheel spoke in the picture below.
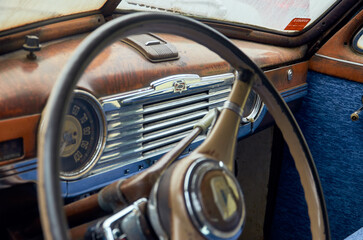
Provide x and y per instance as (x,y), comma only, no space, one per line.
(221,142)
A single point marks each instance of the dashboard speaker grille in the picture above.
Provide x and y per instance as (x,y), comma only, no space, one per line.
(149,122)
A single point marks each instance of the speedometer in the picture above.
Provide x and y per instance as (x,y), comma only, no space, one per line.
(82,136)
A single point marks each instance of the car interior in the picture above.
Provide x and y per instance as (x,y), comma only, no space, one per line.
(149,119)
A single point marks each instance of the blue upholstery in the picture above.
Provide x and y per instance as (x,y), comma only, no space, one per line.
(336,144)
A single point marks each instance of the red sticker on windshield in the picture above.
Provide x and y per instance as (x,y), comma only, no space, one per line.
(297,24)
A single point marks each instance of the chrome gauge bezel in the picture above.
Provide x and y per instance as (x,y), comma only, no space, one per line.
(101,141)
(256,110)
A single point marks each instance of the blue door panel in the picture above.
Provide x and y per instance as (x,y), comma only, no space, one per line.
(336,144)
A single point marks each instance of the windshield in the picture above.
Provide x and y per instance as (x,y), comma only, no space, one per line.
(16,13)
(280,15)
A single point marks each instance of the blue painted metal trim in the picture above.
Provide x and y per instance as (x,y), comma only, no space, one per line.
(28,171)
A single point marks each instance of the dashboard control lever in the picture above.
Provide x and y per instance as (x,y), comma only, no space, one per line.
(355,116)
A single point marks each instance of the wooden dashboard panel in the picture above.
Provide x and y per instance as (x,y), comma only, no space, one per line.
(118,69)
(24,128)
(279,76)
(337,57)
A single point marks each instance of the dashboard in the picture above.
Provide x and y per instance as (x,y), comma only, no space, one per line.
(127,111)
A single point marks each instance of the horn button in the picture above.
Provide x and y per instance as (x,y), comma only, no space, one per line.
(214,200)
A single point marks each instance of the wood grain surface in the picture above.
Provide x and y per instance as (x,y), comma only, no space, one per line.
(279,76)
(337,57)
(26,84)
(22,127)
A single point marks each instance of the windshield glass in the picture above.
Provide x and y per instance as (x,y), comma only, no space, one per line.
(16,13)
(280,15)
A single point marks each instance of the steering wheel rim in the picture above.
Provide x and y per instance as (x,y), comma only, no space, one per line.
(50,202)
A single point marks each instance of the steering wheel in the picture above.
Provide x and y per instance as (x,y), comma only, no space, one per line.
(249,76)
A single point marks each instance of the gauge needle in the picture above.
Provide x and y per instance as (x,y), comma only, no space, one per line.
(66,140)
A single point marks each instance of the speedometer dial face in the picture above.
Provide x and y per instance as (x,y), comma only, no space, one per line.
(82,136)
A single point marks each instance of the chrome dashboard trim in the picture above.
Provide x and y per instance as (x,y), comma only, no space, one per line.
(141,123)
(340,60)
(168,82)
(256,111)
(233,107)
(165,86)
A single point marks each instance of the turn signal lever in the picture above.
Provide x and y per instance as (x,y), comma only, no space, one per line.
(355,116)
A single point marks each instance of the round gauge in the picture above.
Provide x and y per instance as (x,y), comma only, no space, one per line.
(252,108)
(82,136)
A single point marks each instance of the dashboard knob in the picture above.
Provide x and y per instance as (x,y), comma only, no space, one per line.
(355,116)
(31,44)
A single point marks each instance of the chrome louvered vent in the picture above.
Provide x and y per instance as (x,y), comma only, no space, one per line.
(149,122)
